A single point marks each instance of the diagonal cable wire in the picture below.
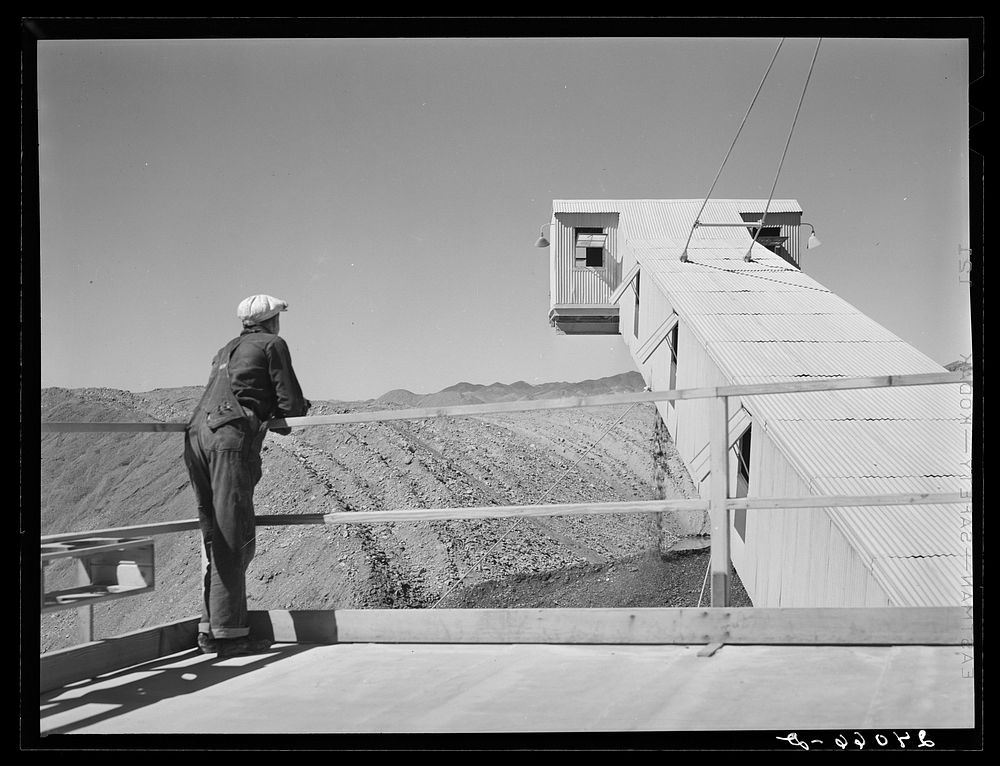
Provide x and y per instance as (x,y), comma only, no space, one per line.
(732,146)
(791,130)
(539,501)
(704,582)
(745,273)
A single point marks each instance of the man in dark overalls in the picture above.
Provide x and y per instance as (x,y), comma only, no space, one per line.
(252,381)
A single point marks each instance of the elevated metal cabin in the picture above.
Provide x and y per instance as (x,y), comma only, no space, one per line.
(585,270)
(587,238)
(695,313)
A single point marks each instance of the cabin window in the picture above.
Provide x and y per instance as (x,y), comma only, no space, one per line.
(672,339)
(770,237)
(672,383)
(742,450)
(635,322)
(590,244)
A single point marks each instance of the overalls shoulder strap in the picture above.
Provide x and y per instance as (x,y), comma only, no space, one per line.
(219,403)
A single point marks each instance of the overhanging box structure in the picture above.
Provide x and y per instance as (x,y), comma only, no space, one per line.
(714,318)
(106,568)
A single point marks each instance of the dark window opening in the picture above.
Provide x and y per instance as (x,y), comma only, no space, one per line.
(770,237)
(635,287)
(672,384)
(742,450)
(590,244)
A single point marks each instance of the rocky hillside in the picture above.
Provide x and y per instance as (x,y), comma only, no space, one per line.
(93,481)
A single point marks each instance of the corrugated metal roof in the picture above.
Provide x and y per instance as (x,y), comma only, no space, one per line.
(766,321)
(903,531)
(758,302)
(857,448)
(889,485)
(702,280)
(932,581)
(661,207)
(721,281)
(909,403)
(903,545)
(892,530)
(812,327)
(737,238)
(791,359)
(712,255)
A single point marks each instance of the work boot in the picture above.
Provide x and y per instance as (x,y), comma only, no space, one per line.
(207,644)
(231,647)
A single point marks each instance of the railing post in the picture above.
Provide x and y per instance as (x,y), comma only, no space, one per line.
(719,492)
(85,613)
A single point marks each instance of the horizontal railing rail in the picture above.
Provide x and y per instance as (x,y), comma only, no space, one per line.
(511,511)
(534,405)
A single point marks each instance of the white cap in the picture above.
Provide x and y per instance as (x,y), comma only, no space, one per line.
(258,308)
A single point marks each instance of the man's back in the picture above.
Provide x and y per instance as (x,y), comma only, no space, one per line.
(262,376)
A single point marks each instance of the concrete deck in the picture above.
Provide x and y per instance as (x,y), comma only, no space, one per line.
(436,688)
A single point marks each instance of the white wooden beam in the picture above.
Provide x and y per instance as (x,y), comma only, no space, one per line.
(467,410)
(55,427)
(507,511)
(561,509)
(139,530)
(749,389)
(719,492)
(659,335)
(930,626)
(652,625)
(626,281)
(65,666)
(841,501)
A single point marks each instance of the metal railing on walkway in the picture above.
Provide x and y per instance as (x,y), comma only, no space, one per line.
(718,504)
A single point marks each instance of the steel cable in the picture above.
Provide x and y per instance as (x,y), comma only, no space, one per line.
(788,141)
(732,146)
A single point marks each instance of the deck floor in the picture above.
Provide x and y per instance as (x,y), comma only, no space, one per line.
(387,688)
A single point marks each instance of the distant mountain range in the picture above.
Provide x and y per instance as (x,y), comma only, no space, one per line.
(477,393)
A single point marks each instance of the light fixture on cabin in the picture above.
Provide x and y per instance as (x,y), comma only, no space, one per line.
(542,241)
(813,241)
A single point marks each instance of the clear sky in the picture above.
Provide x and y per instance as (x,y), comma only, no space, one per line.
(391,190)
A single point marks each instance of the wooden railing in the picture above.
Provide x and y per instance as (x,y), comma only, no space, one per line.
(472,410)
(718,505)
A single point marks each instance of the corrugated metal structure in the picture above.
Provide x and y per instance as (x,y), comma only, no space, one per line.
(718,319)
(584,272)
